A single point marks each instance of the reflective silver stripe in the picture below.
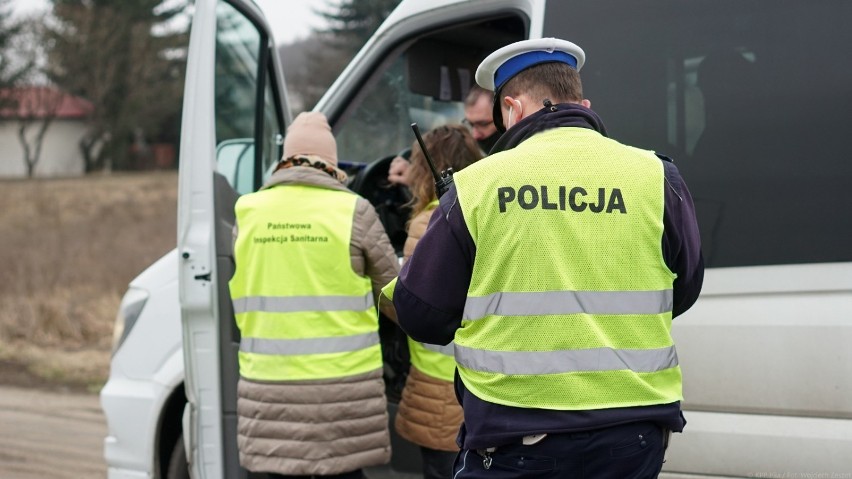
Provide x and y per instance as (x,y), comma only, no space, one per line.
(566,361)
(292,347)
(568,302)
(447,350)
(289,304)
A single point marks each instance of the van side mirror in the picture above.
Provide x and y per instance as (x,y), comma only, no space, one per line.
(235,161)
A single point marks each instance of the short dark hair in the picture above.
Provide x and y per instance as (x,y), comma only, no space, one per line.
(473,95)
(555,80)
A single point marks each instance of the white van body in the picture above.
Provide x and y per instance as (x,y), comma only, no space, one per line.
(764,351)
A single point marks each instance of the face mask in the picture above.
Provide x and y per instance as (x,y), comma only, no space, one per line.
(487,143)
(510,118)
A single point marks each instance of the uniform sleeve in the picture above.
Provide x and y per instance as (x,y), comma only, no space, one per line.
(430,295)
(369,237)
(681,241)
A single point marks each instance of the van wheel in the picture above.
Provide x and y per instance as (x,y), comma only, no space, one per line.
(178,466)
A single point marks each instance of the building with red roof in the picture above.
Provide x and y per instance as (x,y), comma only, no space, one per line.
(31,106)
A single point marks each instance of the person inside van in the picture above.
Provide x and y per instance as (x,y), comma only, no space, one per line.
(477,117)
(429,413)
(398,169)
(310,256)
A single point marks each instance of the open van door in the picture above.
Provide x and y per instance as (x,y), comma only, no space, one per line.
(234,114)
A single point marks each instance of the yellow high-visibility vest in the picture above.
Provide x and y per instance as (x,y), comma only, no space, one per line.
(430,359)
(302,311)
(569,306)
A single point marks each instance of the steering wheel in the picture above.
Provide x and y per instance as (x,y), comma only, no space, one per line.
(388,199)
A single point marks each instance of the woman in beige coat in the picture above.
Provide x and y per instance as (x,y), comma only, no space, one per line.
(337,424)
(429,414)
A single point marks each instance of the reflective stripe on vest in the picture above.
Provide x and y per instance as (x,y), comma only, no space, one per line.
(291,347)
(448,350)
(433,360)
(569,304)
(567,361)
(271,304)
(302,311)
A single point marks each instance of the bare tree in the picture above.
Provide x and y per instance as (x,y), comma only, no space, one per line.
(106,52)
(311,65)
(35,103)
(84,45)
(37,108)
(12,68)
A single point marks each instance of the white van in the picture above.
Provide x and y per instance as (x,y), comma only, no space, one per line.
(753,100)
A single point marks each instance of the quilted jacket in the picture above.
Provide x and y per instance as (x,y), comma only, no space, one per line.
(321,427)
(429,414)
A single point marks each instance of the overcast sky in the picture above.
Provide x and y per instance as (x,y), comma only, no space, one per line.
(289,19)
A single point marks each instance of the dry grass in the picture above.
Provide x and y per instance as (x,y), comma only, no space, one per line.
(68,249)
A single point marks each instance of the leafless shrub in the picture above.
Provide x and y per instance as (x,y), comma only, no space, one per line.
(69,248)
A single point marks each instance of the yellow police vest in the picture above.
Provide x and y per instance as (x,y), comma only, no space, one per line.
(432,359)
(569,306)
(302,311)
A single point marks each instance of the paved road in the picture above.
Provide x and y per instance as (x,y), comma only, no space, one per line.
(46,434)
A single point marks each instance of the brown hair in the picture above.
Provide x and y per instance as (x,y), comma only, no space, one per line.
(557,81)
(449,146)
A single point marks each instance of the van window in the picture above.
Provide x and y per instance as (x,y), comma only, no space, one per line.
(238,56)
(753,104)
(272,138)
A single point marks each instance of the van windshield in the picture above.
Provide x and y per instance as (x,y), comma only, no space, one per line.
(425,81)
(381,125)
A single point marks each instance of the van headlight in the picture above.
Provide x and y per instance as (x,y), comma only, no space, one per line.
(128,312)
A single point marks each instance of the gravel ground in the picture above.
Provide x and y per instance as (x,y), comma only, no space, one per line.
(50,433)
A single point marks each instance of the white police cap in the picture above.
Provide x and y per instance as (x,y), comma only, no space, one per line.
(505,63)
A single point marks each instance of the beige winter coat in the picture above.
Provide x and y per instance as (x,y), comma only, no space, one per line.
(429,414)
(327,426)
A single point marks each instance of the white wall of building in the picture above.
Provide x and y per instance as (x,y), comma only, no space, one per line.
(60,153)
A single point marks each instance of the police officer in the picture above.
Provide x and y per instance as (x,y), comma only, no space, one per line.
(556,265)
(310,256)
